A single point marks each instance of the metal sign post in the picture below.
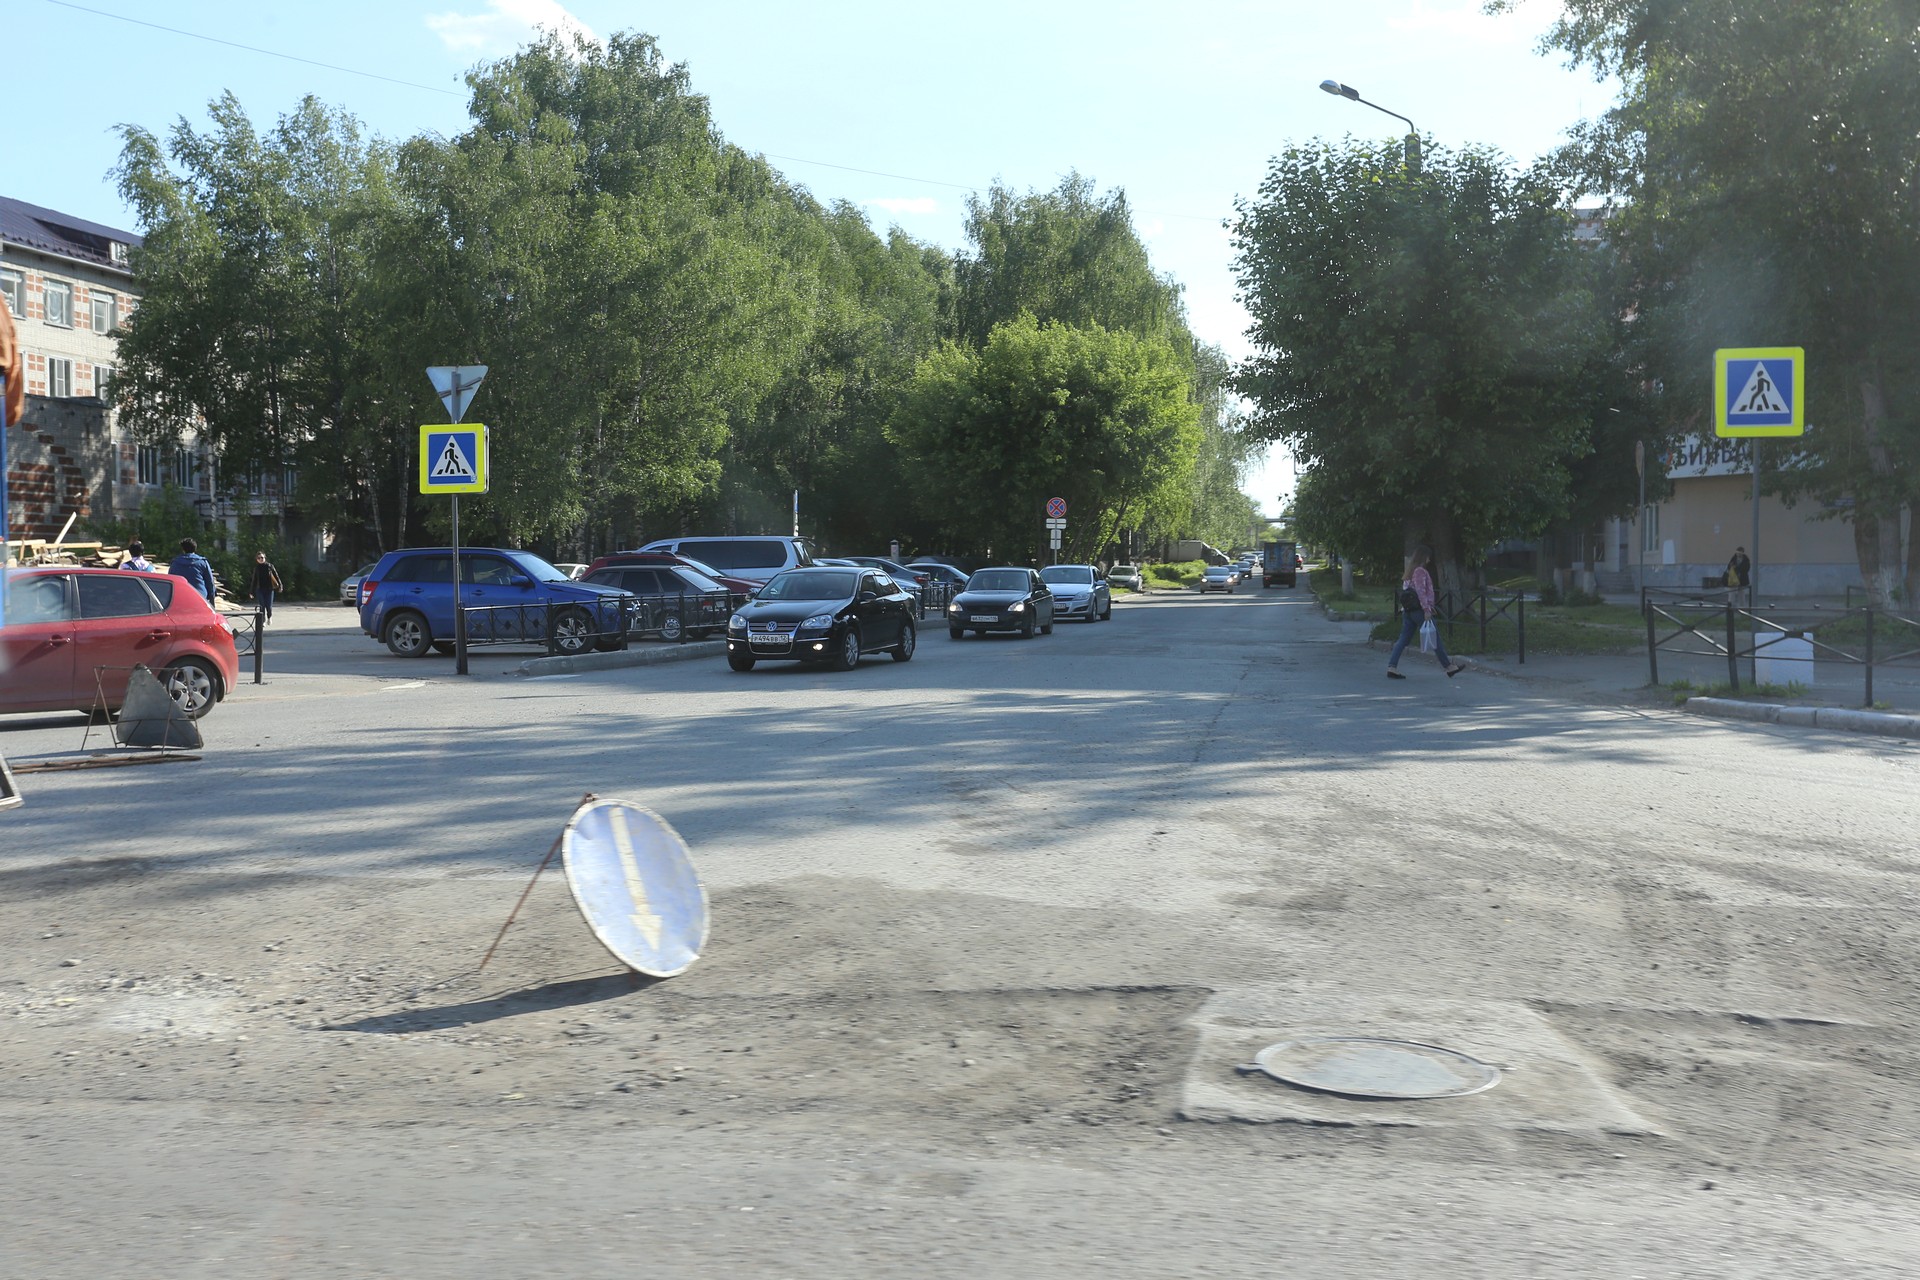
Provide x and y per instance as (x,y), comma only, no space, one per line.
(1759,392)
(455,462)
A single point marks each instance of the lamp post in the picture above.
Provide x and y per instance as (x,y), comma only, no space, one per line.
(1352,94)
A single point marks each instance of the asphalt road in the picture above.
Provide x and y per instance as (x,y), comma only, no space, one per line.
(991,930)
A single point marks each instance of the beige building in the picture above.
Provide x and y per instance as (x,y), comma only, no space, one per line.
(1804,550)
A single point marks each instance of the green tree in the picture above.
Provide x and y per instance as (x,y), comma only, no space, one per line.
(1100,418)
(1421,341)
(1767,155)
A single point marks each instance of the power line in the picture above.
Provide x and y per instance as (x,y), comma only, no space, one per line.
(410,84)
(271,53)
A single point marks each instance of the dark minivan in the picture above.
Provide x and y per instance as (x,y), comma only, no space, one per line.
(407,602)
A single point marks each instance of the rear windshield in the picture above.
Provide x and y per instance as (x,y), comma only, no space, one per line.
(811,584)
(1067,574)
(998,580)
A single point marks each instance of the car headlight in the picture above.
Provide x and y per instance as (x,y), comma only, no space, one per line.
(738,622)
(955,607)
(1018,606)
(818,622)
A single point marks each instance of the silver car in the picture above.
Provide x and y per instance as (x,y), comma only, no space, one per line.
(1220,577)
(350,585)
(1126,575)
(1079,591)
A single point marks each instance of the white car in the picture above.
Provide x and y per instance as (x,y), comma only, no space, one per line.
(1128,576)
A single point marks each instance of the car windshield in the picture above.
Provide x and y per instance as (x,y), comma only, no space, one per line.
(998,580)
(1122,570)
(811,584)
(700,566)
(1073,575)
(539,570)
(1219,571)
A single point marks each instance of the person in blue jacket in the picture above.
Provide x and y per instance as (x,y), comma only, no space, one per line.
(193,566)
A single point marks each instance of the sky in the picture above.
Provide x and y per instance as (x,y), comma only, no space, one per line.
(902,109)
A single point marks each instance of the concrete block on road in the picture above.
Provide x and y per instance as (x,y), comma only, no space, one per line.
(1800,717)
(638,657)
(1881,722)
(1734,709)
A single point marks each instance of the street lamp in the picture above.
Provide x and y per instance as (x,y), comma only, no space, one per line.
(1352,94)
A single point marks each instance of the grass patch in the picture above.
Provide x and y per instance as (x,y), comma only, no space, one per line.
(1173,577)
(1684,689)
(1375,602)
(1551,629)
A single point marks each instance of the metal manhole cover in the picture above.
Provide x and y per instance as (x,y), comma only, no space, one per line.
(1371,1067)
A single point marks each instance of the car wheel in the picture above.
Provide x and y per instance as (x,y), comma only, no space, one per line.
(1107,615)
(670,627)
(406,635)
(1026,628)
(573,632)
(903,652)
(193,685)
(956,633)
(740,661)
(848,656)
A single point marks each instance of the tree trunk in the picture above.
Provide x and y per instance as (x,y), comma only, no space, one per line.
(1876,539)
(1449,583)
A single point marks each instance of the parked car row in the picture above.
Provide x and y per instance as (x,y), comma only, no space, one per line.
(834,614)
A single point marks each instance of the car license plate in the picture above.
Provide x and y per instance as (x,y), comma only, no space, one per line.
(983,617)
(768,642)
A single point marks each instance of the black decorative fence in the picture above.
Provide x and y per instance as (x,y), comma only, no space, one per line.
(1841,645)
(564,627)
(249,637)
(1487,612)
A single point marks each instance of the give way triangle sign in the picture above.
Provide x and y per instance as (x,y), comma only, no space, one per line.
(456,384)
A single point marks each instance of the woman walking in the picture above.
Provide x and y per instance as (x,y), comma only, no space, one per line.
(265,584)
(1416,606)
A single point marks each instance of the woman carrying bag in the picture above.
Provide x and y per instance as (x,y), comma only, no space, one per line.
(1416,612)
(265,584)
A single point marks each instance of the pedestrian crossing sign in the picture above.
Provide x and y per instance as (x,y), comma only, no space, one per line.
(453,459)
(1759,391)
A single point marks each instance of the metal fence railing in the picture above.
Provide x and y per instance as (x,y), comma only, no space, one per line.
(568,627)
(1864,639)
(678,618)
(249,637)
(1483,610)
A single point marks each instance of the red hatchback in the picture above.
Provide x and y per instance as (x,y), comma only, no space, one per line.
(72,636)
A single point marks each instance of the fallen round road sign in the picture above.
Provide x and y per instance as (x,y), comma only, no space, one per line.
(633,879)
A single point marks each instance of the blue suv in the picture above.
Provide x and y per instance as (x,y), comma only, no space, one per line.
(509,596)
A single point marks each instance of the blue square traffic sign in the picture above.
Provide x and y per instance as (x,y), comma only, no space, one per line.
(1759,391)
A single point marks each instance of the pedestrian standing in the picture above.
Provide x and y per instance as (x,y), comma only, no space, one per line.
(137,558)
(265,585)
(1739,572)
(1416,606)
(193,566)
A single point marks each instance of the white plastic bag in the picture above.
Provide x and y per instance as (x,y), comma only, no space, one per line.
(1429,637)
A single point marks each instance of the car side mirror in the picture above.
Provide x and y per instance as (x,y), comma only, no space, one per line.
(520,580)
(869,595)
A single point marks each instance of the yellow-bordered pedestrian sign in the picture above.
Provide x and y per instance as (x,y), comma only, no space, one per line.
(1760,391)
(453,459)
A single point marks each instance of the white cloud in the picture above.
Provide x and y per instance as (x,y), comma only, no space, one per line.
(905,204)
(505,26)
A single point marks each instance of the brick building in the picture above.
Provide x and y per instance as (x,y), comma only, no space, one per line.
(70,288)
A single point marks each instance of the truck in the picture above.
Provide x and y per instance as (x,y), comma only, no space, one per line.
(1278,563)
(1194,549)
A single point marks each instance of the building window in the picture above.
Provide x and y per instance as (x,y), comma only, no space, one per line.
(103,382)
(186,470)
(1650,528)
(118,252)
(289,481)
(103,319)
(59,377)
(13,287)
(59,303)
(146,462)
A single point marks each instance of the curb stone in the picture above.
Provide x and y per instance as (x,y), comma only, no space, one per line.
(564,666)
(1886,723)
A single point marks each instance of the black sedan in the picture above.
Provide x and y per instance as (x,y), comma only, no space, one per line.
(829,616)
(1002,600)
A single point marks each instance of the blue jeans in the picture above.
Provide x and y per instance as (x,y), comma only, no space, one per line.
(265,603)
(1409,632)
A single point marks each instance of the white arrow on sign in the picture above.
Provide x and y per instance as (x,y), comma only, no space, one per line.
(456,384)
